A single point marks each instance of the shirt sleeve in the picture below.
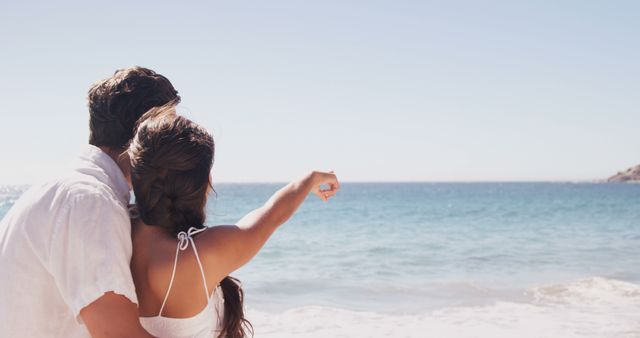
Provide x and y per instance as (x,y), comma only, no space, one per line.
(91,251)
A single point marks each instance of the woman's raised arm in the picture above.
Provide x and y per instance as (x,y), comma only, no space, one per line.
(229,247)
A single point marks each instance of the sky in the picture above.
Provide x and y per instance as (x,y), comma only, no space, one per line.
(375,90)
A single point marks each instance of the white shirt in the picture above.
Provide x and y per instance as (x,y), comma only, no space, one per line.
(62,246)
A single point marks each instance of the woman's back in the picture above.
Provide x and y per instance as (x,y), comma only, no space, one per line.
(171,159)
(174,303)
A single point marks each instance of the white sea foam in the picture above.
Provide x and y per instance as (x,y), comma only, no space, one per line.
(592,307)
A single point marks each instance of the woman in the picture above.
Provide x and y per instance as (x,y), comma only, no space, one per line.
(180,267)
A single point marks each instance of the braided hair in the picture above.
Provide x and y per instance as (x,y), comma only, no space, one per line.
(171,159)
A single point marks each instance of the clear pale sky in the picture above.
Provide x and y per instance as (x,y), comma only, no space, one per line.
(375,90)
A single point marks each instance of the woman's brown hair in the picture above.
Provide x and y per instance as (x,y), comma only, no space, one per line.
(171,158)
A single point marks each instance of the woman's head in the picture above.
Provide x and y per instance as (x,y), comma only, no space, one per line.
(171,159)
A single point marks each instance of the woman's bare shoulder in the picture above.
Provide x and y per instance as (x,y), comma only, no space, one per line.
(216,240)
(217,246)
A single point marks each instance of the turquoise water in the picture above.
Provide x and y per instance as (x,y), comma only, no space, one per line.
(412,247)
(502,259)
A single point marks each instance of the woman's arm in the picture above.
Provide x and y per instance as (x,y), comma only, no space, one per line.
(227,248)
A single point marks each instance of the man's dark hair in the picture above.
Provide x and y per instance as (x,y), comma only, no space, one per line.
(116,104)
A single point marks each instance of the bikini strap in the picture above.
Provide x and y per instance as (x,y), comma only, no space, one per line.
(184,238)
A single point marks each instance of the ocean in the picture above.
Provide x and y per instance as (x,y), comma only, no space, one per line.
(443,260)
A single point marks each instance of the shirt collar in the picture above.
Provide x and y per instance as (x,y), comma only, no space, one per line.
(97,163)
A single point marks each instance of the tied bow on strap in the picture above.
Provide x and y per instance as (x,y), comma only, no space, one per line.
(185,237)
(183,243)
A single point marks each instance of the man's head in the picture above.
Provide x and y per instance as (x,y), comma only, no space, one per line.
(116,104)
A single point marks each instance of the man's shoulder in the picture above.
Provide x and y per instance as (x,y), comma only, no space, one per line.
(74,190)
(77,184)
(89,203)
(62,208)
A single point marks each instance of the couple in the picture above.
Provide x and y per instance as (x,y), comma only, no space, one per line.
(76,262)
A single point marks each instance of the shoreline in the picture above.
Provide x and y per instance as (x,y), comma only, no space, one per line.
(589,307)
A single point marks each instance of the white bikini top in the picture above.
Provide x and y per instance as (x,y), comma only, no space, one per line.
(207,323)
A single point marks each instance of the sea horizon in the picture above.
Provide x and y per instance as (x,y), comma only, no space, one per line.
(594,180)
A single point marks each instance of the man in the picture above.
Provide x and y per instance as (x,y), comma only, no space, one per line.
(65,246)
